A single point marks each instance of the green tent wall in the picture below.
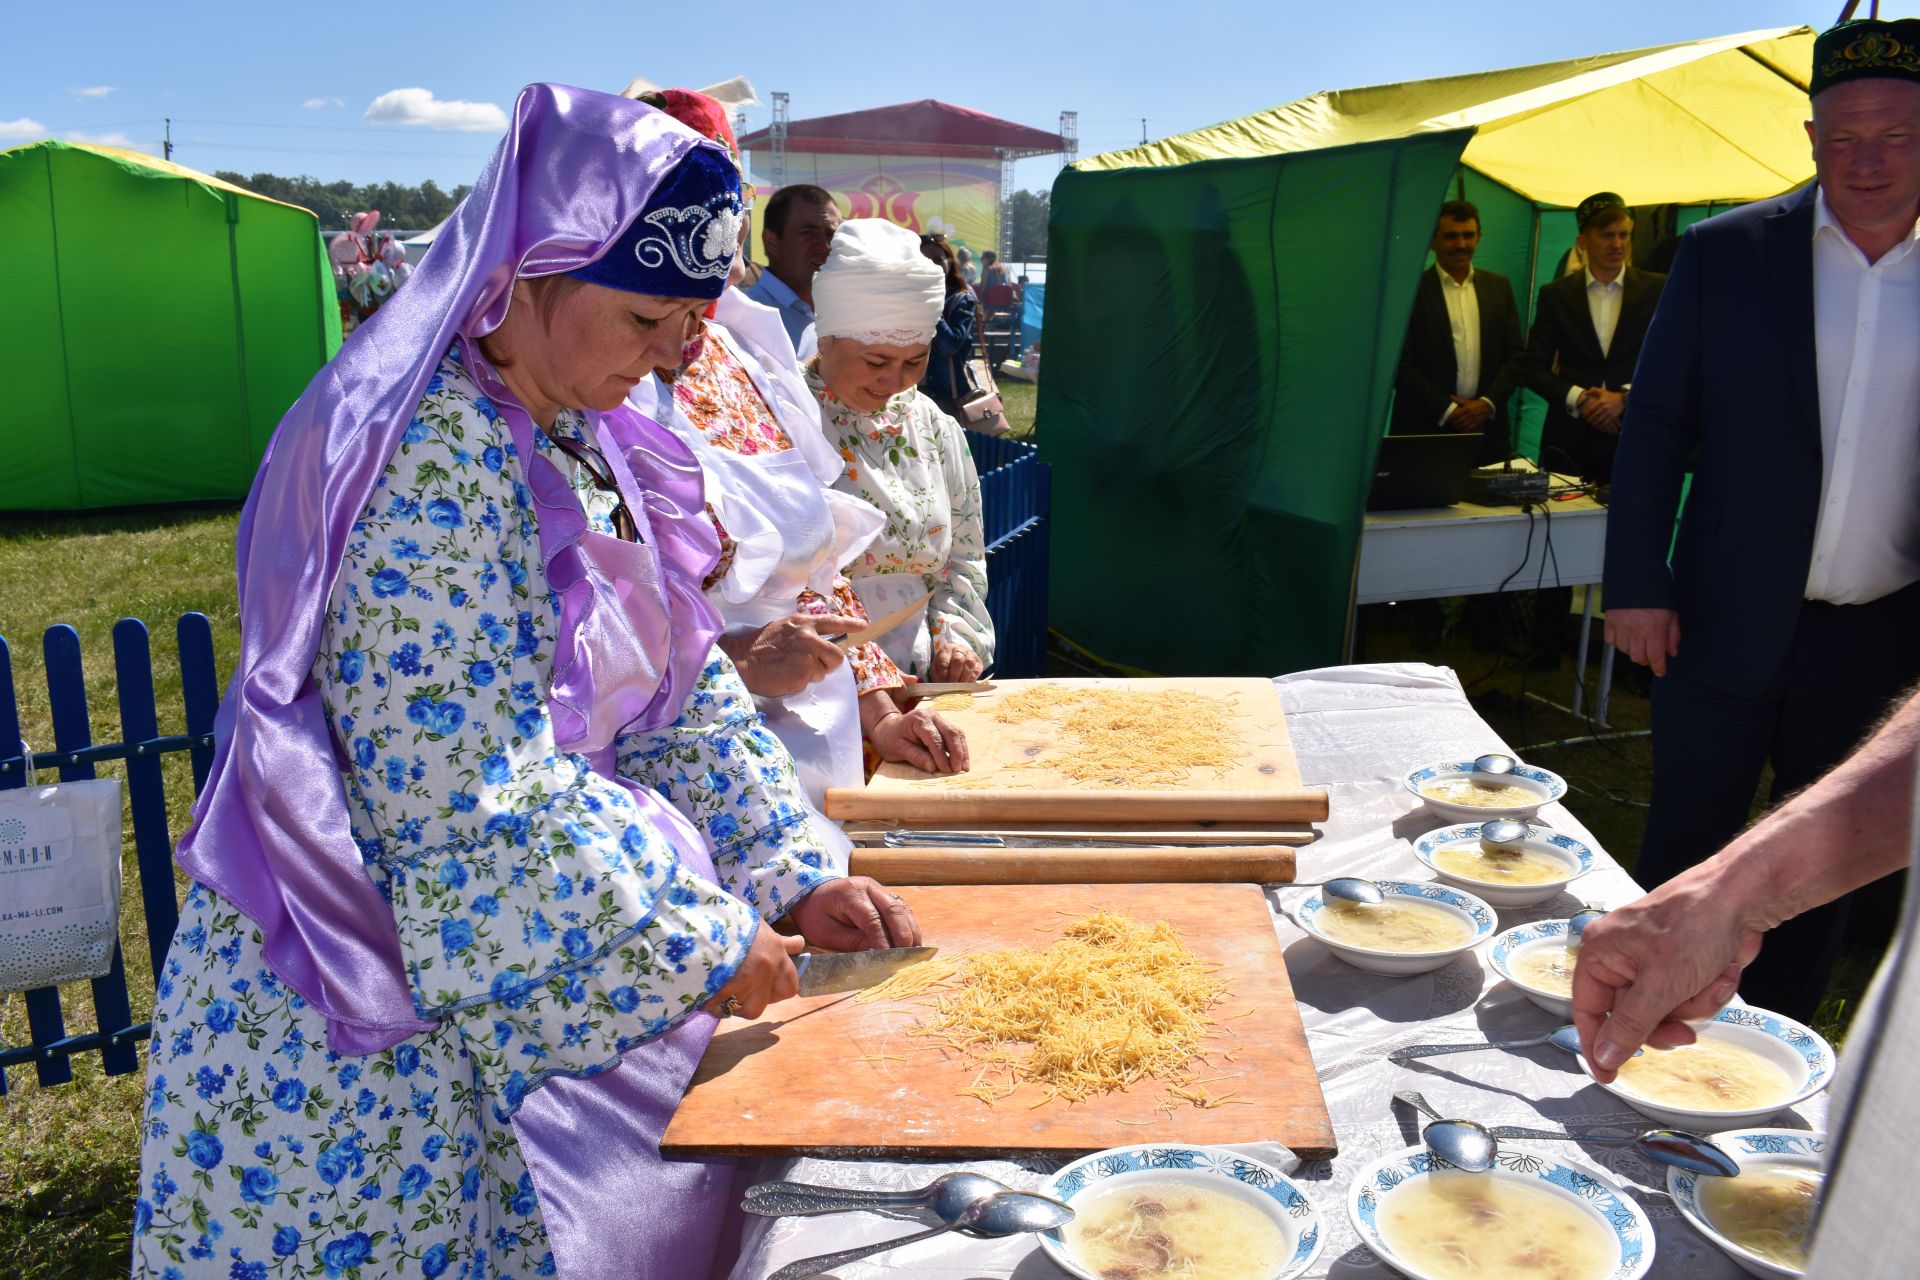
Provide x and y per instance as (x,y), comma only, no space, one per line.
(1226,340)
(158,323)
(1226,309)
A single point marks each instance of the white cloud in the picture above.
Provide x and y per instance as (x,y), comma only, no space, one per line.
(21,130)
(420,107)
(112,139)
(314,104)
(97,91)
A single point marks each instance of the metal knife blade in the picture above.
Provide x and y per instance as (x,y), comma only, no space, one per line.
(825,972)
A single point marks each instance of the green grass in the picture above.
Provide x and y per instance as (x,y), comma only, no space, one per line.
(69,1161)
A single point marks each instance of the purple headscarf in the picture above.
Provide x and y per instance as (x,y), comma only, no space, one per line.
(271,831)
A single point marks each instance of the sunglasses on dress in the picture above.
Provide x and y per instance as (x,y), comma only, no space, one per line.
(602,477)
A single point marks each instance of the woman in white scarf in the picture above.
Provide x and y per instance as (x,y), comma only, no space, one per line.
(877,301)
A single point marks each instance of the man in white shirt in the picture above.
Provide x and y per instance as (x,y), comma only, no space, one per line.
(796,231)
(1587,332)
(1781,372)
(1458,365)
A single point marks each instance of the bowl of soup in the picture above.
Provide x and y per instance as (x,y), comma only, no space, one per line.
(1533,1216)
(1535,958)
(1454,790)
(1523,874)
(1747,1065)
(1419,927)
(1762,1219)
(1198,1213)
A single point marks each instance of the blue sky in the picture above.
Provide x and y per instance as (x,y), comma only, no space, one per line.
(288,88)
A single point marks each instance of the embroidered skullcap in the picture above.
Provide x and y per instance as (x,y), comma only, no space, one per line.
(1866,49)
(1596,204)
(876,286)
(683,242)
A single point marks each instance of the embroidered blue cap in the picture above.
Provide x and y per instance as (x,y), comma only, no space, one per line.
(683,242)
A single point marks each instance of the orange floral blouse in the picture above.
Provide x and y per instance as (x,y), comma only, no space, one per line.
(717,394)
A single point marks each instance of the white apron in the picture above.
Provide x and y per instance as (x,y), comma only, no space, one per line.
(792,533)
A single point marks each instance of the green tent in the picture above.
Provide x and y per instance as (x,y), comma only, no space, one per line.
(158,323)
(1226,309)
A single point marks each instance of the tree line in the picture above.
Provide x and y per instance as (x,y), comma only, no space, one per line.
(402,208)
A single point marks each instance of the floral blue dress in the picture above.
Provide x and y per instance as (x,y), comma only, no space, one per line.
(545,916)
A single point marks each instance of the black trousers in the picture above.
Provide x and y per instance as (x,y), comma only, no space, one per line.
(1846,667)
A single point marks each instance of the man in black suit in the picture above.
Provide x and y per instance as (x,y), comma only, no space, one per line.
(1458,365)
(1780,370)
(1586,337)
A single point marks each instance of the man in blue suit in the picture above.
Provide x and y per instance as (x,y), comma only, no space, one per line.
(1783,369)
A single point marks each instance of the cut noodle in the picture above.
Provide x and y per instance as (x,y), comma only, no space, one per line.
(1112,1002)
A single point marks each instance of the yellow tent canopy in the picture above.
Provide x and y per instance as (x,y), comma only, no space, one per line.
(1725,112)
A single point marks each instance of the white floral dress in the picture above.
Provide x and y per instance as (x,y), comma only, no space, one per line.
(544,917)
(911,461)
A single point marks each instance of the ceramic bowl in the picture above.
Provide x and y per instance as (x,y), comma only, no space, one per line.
(1400,963)
(1225,1172)
(1752,1150)
(1509,946)
(1592,1192)
(1575,856)
(1800,1052)
(1547,785)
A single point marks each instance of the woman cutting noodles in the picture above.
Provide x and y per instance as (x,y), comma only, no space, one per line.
(877,302)
(492,829)
(740,401)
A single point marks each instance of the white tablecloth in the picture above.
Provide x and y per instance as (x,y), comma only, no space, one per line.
(1356,730)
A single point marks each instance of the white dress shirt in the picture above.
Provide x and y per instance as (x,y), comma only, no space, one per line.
(1463,316)
(1866,333)
(1603,305)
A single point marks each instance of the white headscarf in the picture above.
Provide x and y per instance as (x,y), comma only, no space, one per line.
(877,286)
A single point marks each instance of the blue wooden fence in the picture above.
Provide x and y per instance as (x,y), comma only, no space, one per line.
(1015,498)
(74,756)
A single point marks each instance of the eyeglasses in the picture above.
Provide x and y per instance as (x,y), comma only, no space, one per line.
(602,476)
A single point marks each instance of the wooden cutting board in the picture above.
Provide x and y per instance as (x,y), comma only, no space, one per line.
(1154,833)
(825,1076)
(1269,864)
(1022,770)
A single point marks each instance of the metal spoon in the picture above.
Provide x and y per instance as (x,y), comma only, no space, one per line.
(1008,1214)
(1349,889)
(1566,1039)
(947,1195)
(1578,922)
(1472,1147)
(1495,763)
(1503,835)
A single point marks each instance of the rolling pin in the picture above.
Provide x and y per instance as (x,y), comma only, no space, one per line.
(978,807)
(1256,865)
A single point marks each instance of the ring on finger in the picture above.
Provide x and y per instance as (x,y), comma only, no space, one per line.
(730,1007)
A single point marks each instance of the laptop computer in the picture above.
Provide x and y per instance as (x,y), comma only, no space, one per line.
(1423,471)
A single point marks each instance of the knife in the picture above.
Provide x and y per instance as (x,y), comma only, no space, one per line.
(874,630)
(825,972)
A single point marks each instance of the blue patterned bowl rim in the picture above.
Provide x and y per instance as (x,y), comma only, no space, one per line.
(1519,936)
(1684,1187)
(1484,922)
(1165,1157)
(1631,1228)
(1556,785)
(1469,833)
(1805,1041)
